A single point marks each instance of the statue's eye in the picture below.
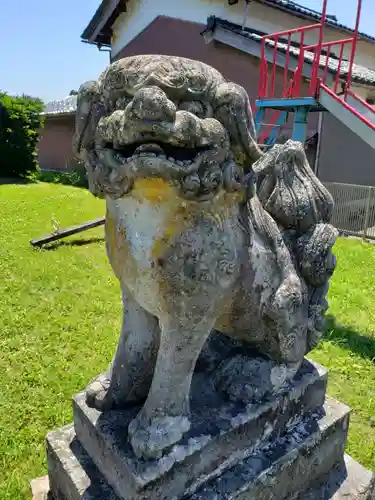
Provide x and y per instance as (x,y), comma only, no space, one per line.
(198,108)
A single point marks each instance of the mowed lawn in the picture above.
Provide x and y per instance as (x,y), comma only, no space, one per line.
(60,315)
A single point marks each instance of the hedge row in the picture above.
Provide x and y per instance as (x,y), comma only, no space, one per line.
(75,177)
(20,122)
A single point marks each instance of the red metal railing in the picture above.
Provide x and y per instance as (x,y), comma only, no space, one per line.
(265,89)
(292,87)
(288,92)
(267,82)
(354,111)
(325,67)
(360,100)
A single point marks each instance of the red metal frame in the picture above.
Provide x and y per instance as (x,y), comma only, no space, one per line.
(350,108)
(359,99)
(292,86)
(275,115)
(267,88)
(288,92)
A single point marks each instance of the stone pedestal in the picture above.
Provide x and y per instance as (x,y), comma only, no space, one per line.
(289,447)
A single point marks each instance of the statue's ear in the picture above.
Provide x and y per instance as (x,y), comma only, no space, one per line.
(231,107)
(89,111)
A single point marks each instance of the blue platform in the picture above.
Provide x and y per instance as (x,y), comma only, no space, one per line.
(300,106)
(284,104)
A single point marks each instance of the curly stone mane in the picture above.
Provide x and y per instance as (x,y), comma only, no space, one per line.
(176,104)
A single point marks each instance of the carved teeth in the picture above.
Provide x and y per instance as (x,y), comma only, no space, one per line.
(148,148)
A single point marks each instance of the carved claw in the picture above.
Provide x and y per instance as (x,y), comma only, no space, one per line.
(249,380)
(150,437)
(98,393)
(244,379)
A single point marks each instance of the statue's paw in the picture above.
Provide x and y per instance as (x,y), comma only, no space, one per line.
(98,394)
(245,379)
(150,437)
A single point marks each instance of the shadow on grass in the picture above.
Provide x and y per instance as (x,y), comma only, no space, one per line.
(16,180)
(348,338)
(72,243)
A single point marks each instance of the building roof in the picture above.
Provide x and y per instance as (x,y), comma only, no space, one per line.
(65,106)
(360,74)
(98,30)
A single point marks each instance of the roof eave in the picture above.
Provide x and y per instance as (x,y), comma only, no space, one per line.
(221,31)
(58,114)
(98,31)
(252,47)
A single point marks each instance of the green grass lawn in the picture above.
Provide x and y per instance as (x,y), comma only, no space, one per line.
(60,317)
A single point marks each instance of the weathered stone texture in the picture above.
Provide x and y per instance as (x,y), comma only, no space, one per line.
(40,489)
(310,453)
(204,232)
(221,432)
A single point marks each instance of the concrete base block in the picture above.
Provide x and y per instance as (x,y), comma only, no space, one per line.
(222,433)
(40,488)
(310,452)
(348,481)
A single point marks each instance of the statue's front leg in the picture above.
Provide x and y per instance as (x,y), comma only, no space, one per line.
(196,274)
(130,374)
(164,418)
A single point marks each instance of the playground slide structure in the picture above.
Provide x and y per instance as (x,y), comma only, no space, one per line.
(321,95)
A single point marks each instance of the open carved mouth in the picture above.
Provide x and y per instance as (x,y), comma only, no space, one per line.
(182,156)
(197,170)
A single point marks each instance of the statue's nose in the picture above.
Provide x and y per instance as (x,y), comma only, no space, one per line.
(151,103)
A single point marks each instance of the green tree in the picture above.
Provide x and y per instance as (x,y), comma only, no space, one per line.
(20,124)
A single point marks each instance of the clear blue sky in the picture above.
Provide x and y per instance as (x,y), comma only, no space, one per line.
(41,52)
(346,11)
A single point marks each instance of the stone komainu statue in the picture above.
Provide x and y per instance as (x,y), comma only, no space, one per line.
(206,234)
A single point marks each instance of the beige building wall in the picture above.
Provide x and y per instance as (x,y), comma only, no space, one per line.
(344,156)
(141,30)
(140,13)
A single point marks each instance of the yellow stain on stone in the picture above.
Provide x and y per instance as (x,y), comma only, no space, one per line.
(165,197)
(112,245)
(179,212)
(154,190)
(119,250)
(176,214)
(173,226)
